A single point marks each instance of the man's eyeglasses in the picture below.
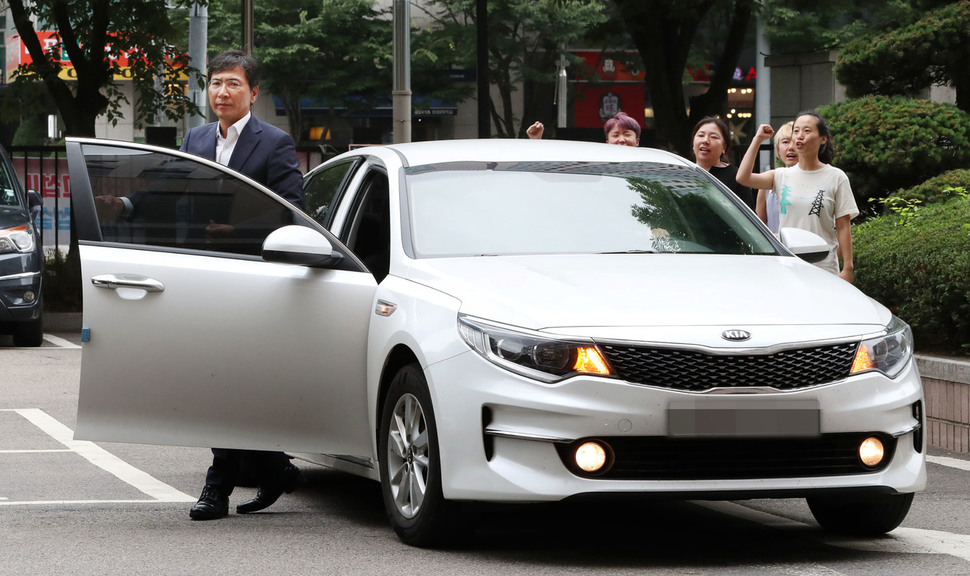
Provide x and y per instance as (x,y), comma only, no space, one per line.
(230,85)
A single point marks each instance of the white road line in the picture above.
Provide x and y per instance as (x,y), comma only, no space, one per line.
(951,462)
(103,459)
(33,451)
(750,514)
(60,342)
(910,541)
(773,521)
(902,540)
(5,502)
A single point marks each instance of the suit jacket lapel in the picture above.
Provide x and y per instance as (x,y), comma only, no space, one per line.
(206,147)
(248,139)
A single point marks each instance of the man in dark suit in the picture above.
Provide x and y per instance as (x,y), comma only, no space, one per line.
(267,155)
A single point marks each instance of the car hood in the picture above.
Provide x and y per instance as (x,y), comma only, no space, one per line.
(658,297)
(11,216)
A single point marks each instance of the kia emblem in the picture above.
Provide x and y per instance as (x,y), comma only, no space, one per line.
(736,335)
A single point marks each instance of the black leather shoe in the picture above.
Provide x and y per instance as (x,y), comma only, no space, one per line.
(211,505)
(289,480)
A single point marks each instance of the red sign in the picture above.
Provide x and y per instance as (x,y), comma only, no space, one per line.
(607,68)
(17,55)
(594,106)
(48,177)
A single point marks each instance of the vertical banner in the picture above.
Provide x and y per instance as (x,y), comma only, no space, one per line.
(594,106)
(604,85)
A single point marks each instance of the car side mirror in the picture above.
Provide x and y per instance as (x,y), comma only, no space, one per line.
(34,203)
(808,246)
(299,245)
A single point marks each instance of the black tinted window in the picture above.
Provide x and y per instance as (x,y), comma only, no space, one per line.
(8,193)
(321,190)
(157,199)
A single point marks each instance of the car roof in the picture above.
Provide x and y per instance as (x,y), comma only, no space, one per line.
(512,150)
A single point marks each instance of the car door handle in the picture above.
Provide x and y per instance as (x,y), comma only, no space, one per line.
(113,282)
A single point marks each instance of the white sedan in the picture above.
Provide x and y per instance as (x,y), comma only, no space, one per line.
(491,320)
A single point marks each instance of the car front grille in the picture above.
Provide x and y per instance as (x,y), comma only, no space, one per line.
(692,371)
(665,458)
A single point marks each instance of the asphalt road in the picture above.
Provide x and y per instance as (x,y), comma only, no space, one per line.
(70,507)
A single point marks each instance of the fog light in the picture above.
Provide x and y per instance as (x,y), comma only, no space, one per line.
(29,296)
(590,457)
(871,451)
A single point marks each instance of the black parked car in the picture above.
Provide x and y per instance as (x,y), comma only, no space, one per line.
(21,260)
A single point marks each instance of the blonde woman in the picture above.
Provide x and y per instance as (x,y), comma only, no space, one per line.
(767,201)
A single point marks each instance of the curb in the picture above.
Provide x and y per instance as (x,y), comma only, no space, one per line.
(62,322)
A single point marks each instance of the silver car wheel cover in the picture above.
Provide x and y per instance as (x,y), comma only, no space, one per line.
(408,458)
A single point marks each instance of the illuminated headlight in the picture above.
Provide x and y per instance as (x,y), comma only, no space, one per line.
(18,239)
(532,354)
(887,354)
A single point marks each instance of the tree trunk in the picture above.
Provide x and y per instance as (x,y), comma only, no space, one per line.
(664,39)
(79,112)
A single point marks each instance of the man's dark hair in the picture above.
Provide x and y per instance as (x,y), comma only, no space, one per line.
(235,59)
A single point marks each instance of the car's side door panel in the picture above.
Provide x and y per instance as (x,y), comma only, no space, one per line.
(185,346)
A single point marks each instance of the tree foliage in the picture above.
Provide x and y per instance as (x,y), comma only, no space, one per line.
(667,34)
(94,37)
(525,41)
(809,25)
(935,49)
(885,143)
(335,54)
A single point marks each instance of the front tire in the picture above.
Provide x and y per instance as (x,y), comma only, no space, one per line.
(29,333)
(410,465)
(870,515)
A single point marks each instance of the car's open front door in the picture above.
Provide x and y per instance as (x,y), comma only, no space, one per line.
(190,337)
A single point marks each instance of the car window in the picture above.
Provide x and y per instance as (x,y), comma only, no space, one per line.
(8,191)
(156,199)
(368,234)
(470,209)
(321,188)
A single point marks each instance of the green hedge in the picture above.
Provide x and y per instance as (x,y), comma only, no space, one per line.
(887,143)
(936,189)
(917,263)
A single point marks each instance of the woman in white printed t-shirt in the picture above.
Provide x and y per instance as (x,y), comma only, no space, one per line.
(813,195)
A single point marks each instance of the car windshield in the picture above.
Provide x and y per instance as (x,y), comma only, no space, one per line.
(478,208)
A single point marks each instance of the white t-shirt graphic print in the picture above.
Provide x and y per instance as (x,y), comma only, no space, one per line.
(813,200)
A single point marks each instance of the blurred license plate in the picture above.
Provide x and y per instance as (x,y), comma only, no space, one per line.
(729,417)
